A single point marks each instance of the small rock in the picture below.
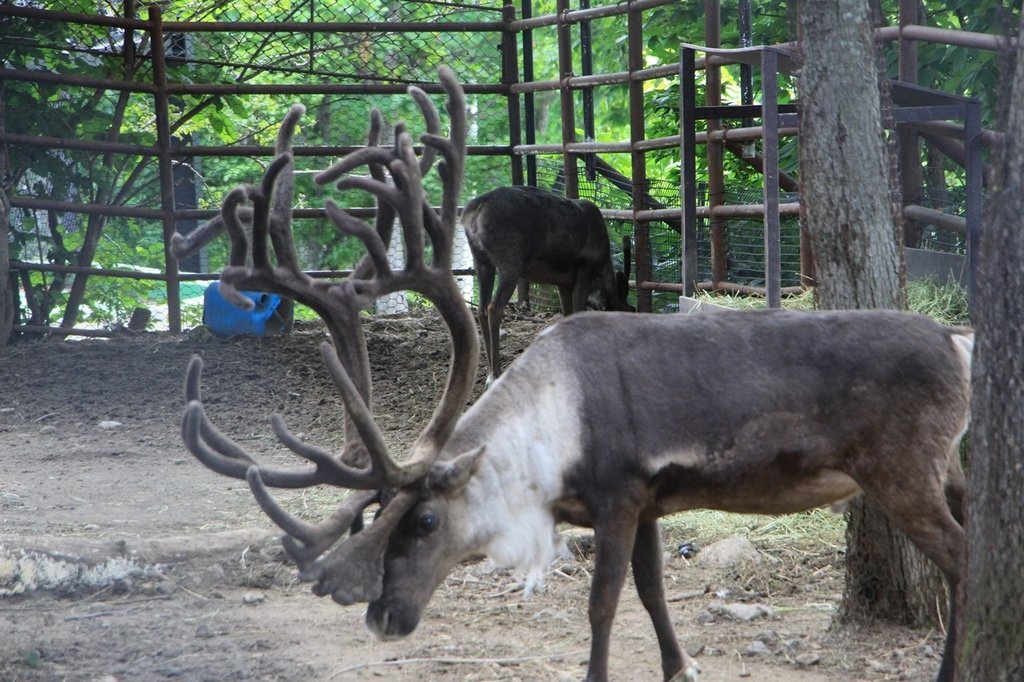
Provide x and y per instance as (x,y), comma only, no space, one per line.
(48,430)
(253,597)
(11,500)
(807,660)
(694,647)
(90,527)
(706,618)
(729,552)
(743,612)
(107,425)
(204,631)
(758,648)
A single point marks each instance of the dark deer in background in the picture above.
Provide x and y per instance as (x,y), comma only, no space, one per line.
(535,235)
(608,420)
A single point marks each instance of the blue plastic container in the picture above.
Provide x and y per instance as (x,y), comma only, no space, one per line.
(226,319)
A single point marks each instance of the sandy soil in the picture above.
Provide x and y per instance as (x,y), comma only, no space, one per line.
(122,558)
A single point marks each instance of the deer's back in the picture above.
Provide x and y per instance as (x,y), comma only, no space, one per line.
(724,401)
(534,229)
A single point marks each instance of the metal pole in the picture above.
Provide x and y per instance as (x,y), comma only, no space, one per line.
(587,66)
(510,75)
(715,151)
(688,170)
(772,231)
(163,136)
(641,228)
(528,111)
(746,71)
(568,113)
(972,141)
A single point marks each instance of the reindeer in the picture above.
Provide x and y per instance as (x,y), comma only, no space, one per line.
(533,235)
(755,412)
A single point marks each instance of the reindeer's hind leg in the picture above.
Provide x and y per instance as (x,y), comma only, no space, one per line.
(648,576)
(495,314)
(485,273)
(925,514)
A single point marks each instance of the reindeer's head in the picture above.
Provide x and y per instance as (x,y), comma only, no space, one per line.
(611,291)
(397,562)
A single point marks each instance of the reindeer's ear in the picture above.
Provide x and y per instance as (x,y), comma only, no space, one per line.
(448,477)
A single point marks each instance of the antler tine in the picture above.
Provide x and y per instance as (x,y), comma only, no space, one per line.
(451,169)
(223,455)
(284,194)
(391,473)
(184,245)
(432,122)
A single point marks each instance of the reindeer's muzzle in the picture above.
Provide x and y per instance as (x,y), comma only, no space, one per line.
(389,620)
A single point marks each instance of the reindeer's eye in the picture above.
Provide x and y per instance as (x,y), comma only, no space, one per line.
(427,523)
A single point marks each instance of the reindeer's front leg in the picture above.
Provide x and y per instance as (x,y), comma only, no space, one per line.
(614,537)
(649,578)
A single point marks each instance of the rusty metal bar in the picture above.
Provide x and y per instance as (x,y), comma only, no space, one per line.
(72,17)
(163,136)
(575,16)
(980,41)
(688,170)
(320,89)
(786,210)
(975,207)
(84,145)
(567,101)
(714,151)
(932,217)
(88,209)
(257,26)
(510,75)
(75,81)
(990,138)
(772,228)
(528,100)
(638,161)
(910,176)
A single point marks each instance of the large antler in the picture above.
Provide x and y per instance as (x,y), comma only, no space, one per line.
(352,571)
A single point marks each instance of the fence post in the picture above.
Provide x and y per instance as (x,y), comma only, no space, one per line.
(166,168)
(641,228)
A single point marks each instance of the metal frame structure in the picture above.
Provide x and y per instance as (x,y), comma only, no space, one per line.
(925,114)
(911,105)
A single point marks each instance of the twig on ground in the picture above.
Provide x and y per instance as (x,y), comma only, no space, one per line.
(456,661)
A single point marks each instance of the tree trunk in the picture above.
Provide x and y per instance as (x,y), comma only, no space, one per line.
(847,209)
(6,290)
(991,627)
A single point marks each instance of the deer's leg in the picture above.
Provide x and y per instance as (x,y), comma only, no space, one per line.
(565,298)
(495,314)
(649,577)
(581,290)
(614,537)
(485,276)
(926,517)
(523,294)
(956,487)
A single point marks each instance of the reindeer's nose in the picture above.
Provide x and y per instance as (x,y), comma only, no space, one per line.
(389,621)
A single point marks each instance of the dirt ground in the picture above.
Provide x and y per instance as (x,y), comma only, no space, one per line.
(122,558)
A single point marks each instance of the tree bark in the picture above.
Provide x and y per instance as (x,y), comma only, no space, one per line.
(6,290)
(991,633)
(847,210)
